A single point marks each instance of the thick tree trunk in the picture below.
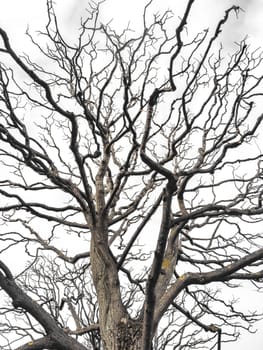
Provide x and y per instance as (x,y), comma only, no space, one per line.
(117,330)
(126,336)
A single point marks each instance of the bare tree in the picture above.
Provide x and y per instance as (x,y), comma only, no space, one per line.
(131,186)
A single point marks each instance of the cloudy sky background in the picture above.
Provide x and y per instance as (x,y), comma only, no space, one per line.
(17,15)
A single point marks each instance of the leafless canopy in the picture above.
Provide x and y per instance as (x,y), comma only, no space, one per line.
(131,186)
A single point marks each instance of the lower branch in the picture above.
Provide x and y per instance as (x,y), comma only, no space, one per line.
(20,299)
(38,344)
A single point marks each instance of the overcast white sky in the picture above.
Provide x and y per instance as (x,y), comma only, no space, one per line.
(16,15)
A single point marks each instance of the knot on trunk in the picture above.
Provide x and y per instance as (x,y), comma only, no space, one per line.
(129,333)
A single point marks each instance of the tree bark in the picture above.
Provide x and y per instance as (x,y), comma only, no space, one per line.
(118,330)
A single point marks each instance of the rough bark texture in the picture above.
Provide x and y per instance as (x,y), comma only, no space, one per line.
(118,331)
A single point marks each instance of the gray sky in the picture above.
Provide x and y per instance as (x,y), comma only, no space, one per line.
(16,15)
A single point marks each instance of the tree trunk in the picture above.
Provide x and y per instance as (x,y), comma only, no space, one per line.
(117,330)
(126,336)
